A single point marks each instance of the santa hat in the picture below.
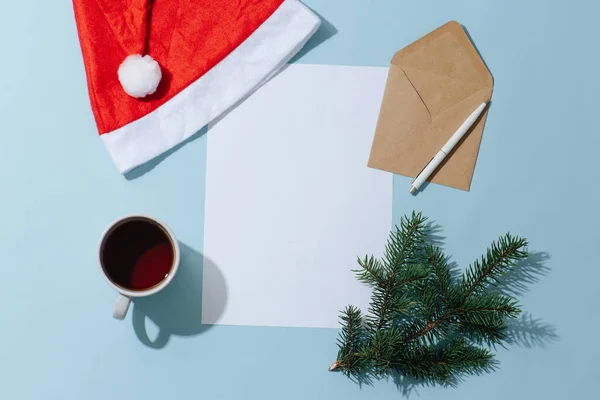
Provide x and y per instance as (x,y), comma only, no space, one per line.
(160,70)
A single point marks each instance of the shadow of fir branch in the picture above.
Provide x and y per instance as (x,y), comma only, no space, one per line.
(529,272)
(526,330)
(530,332)
(407,385)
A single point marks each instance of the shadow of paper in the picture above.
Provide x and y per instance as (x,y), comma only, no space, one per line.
(177,310)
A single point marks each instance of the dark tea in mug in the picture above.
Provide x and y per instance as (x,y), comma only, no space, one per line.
(137,254)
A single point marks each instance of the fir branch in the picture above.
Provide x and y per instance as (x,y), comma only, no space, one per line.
(500,257)
(401,305)
(489,309)
(421,363)
(383,303)
(441,271)
(429,326)
(349,342)
(489,335)
(410,274)
(444,364)
(463,357)
(372,273)
(385,347)
(380,308)
(431,300)
(422,322)
(404,242)
(389,277)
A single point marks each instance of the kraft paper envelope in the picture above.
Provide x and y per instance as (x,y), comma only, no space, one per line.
(433,85)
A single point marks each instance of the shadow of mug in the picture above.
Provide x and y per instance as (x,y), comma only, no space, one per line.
(177,309)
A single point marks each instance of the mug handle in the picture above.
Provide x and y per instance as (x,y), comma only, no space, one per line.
(121,306)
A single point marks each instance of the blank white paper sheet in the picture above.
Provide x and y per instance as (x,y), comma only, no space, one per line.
(290,201)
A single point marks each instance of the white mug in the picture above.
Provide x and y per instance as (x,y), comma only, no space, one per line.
(125,294)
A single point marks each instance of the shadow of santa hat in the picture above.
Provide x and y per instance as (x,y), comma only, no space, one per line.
(160,70)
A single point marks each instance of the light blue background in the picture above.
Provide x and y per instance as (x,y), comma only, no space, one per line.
(535,176)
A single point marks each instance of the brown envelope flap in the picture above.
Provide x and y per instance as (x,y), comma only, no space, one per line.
(443,67)
(402,114)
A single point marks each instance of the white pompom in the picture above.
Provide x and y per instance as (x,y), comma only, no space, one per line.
(139,75)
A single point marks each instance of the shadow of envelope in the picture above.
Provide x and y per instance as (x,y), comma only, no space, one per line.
(433,85)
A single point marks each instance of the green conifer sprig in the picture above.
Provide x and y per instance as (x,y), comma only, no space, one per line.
(422,323)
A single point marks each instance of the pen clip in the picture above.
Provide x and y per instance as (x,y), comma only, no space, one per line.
(423,169)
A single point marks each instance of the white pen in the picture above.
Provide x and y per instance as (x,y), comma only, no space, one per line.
(439,157)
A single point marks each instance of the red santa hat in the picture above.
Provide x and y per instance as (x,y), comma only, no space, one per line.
(160,70)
